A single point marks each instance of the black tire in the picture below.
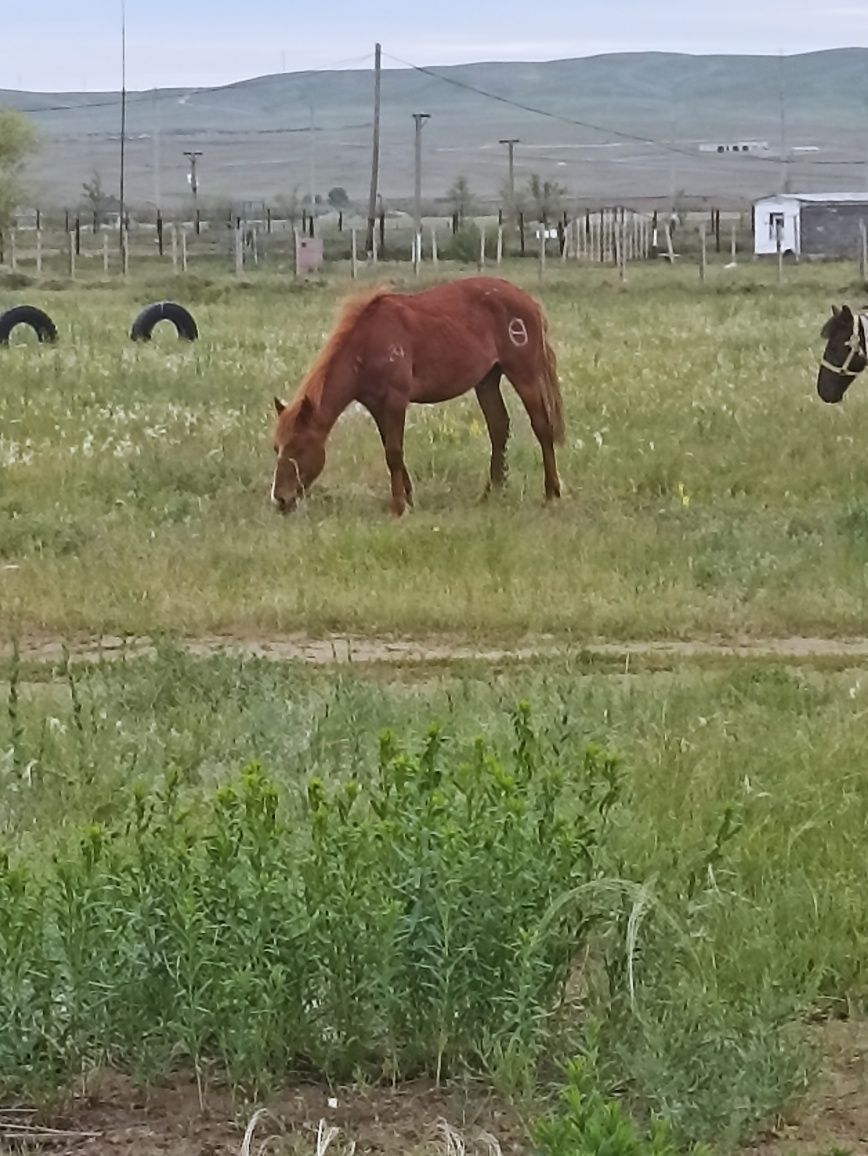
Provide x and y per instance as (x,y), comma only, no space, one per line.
(182,319)
(39,322)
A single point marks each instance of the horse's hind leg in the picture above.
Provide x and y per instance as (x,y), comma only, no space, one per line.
(497,419)
(532,399)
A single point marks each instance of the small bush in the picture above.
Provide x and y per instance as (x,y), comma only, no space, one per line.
(392,926)
(587,1123)
(464,245)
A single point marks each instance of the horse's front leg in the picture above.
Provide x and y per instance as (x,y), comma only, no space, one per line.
(390,424)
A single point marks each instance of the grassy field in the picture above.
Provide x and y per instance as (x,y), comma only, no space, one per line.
(254,875)
(707,488)
(254,871)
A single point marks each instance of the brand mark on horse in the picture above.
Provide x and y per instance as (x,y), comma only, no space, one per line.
(517,332)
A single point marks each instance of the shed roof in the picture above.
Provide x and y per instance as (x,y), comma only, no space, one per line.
(818,198)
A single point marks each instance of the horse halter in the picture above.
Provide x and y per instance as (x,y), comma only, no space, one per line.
(855,345)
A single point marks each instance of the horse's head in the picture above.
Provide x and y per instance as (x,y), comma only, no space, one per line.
(299,443)
(844,357)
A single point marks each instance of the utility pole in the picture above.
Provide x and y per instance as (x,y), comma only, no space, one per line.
(419,118)
(312,160)
(785,173)
(158,189)
(122,190)
(375,161)
(194,183)
(510,143)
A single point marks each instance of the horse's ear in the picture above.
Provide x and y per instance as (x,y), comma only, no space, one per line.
(835,310)
(279,406)
(846,312)
(305,411)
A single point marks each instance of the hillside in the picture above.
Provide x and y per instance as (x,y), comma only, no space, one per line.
(256,140)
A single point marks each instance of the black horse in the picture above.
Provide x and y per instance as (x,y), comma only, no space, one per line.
(846,353)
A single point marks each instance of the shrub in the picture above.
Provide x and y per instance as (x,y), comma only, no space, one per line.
(396,925)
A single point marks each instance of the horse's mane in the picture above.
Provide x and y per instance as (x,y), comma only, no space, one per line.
(350,314)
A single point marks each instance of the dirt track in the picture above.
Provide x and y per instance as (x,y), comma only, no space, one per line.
(344,650)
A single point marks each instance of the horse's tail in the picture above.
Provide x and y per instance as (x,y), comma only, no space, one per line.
(552,396)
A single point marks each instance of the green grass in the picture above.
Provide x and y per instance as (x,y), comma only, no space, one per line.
(707,488)
(155,895)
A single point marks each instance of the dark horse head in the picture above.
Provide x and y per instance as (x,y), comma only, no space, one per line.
(845,354)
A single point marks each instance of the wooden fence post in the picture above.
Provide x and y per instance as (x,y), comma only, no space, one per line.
(499,251)
(354,260)
(13,251)
(482,248)
(435,256)
(71,255)
(239,251)
(702,251)
(39,251)
(125,249)
(621,248)
(105,253)
(174,236)
(542,250)
(779,247)
(183,250)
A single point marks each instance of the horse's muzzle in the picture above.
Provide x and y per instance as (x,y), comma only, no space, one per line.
(831,390)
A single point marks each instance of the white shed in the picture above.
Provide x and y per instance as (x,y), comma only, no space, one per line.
(770,214)
(810,224)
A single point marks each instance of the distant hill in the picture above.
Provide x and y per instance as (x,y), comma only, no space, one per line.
(256,140)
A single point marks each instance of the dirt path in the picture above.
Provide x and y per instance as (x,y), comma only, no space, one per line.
(116,1118)
(341,649)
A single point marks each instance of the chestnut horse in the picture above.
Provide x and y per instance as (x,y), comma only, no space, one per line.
(390,349)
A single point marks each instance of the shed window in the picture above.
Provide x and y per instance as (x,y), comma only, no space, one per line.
(776,222)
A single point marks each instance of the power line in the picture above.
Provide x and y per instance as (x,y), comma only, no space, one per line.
(607,131)
(183,95)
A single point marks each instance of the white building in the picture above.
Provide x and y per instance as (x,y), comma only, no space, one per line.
(810,224)
(740,146)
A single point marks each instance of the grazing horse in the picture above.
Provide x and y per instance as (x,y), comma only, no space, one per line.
(389,350)
(846,352)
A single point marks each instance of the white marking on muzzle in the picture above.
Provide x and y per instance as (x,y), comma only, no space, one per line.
(274,497)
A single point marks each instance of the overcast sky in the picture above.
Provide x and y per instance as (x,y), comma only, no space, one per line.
(56,45)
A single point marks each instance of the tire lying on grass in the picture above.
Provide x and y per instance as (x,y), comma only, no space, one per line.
(181,318)
(39,322)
